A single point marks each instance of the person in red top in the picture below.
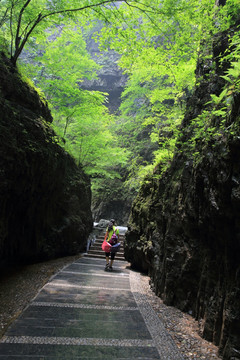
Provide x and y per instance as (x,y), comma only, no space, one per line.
(111,229)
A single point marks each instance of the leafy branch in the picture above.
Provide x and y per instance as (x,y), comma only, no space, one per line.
(24,20)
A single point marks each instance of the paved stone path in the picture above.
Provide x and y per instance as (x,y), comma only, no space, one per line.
(86,313)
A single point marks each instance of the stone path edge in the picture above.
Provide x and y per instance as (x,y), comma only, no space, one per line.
(41,340)
(164,343)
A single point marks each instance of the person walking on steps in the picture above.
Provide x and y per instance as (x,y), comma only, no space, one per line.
(111,229)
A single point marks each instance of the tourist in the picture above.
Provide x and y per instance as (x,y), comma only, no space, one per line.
(112,231)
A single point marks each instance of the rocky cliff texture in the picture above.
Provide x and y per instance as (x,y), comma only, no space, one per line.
(117,209)
(110,79)
(184,226)
(45,198)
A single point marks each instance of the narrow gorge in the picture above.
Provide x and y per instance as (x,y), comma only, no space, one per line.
(128,107)
(184,227)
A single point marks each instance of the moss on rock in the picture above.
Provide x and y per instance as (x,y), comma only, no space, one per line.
(45,197)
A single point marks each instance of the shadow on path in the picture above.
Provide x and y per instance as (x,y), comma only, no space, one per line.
(85,313)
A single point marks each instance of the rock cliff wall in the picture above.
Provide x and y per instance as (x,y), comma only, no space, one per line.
(45,198)
(184,227)
(111,79)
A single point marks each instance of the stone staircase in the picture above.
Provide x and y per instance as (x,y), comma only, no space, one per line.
(95,250)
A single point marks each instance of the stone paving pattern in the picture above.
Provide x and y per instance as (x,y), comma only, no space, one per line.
(86,313)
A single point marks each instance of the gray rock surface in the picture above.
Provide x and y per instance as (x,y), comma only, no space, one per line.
(45,197)
(184,227)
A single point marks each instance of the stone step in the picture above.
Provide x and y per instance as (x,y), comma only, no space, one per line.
(100,239)
(99,246)
(95,249)
(100,252)
(102,256)
(85,313)
(99,243)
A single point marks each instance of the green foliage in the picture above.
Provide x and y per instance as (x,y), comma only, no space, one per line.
(159,50)
(159,42)
(80,117)
(214,123)
(160,62)
(165,69)
(32,85)
(21,20)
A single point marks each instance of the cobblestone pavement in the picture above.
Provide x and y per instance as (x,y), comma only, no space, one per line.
(86,313)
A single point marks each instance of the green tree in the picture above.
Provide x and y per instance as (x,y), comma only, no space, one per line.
(159,51)
(22,19)
(81,117)
(158,41)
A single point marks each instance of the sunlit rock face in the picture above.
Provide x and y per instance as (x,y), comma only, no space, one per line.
(110,80)
(117,209)
(184,227)
(45,198)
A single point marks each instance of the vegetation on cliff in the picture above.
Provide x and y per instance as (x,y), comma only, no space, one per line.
(175,138)
(45,198)
(159,58)
(184,224)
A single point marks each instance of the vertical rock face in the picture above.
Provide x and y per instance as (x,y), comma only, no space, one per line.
(45,198)
(185,225)
(111,79)
(113,209)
